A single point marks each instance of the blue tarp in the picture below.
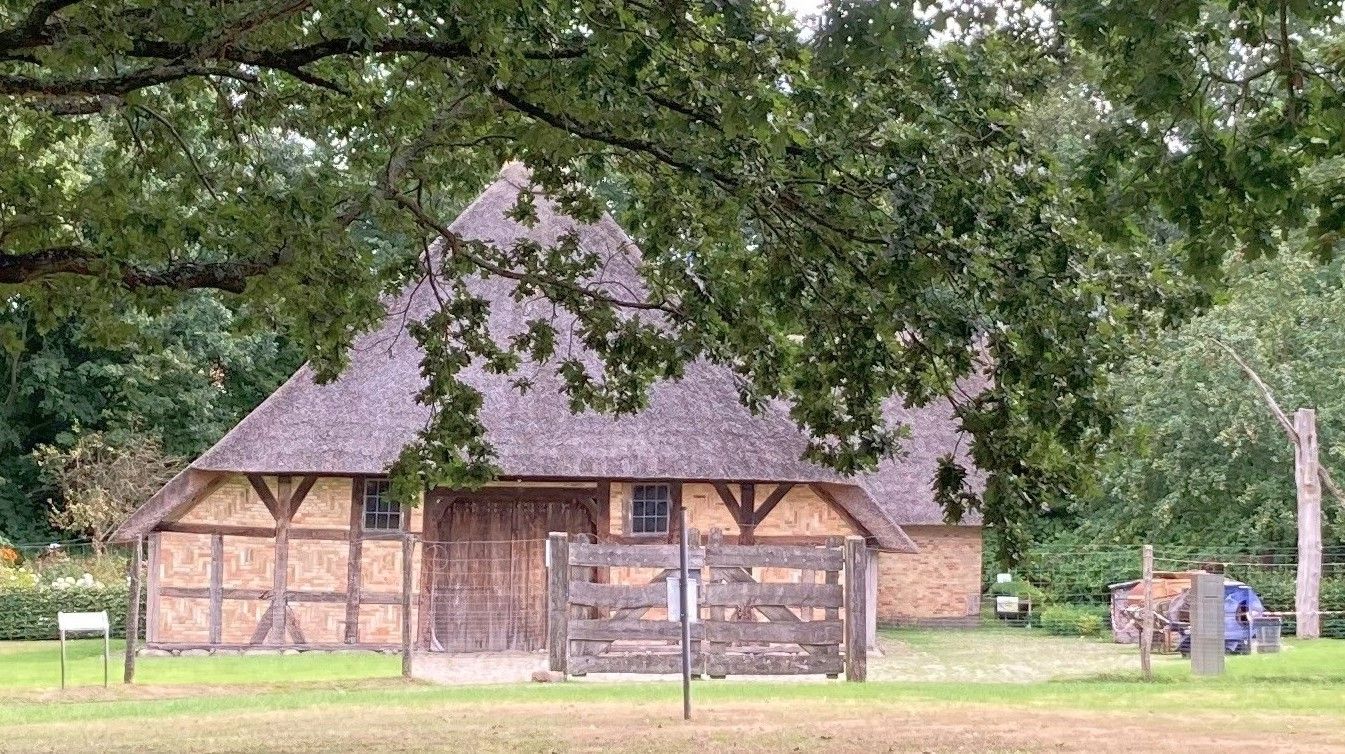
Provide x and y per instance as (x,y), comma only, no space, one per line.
(1241,605)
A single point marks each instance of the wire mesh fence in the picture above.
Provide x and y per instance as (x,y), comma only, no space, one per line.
(1098,593)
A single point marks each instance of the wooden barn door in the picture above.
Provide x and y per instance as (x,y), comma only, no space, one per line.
(485,569)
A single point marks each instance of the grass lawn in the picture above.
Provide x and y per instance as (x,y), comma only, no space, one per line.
(1293,701)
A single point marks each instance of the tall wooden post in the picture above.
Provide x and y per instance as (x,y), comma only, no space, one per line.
(1309,485)
(408,553)
(856,646)
(1147,618)
(133,612)
(558,601)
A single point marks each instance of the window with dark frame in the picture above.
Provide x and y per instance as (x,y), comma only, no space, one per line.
(649,508)
(380,513)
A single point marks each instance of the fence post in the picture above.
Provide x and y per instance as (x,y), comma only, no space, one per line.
(856,646)
(408,554)
(133,611)
(1147,618)
(1308,584)
(558,601)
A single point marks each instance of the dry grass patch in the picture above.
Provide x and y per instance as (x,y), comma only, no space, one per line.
(753,727)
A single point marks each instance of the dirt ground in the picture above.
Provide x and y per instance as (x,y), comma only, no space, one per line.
(982,656)
(752,727)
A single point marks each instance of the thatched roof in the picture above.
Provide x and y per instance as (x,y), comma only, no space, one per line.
(694,428)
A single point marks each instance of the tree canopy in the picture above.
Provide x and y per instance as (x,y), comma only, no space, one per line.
(1198,456)
(868,209)
(1225,120)
(181,376)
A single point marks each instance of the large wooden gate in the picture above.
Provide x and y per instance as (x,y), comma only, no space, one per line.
(484,586)
(761,609)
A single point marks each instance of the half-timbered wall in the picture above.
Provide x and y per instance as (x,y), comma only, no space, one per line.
(213,576)
(213,579)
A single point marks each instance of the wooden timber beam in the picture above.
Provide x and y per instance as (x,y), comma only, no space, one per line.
(772,500)
(296,532)
(730,502)
(281,567)
(301,494)
(748,502)
(264,492)
(223,529)
(675,512)
(603,494)
(216,588)
(831,500)
(194,592)
(283,503)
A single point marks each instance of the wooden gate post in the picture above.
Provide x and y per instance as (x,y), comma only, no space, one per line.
(133,611)
(558,601)
(408,554)
(1308,585)
(856,646)
(1147,618)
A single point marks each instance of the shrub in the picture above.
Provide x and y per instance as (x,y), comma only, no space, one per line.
(1072,620)
(29,602)
(1020,589)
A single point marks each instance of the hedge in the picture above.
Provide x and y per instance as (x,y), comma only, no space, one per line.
(31,613)
(1071,620)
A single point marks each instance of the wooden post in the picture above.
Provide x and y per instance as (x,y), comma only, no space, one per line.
(1306,594)
(856,647)
(603,495)
(1147,619)
(356,548)
(62,660)
(747,502)
(216,588)
(408,552)
(558,601)
(133,611)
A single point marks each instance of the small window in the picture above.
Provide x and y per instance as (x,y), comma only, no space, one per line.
(380,513)
(649,505)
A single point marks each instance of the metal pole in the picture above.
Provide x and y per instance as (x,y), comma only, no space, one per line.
(686,620)
(63,660)
(107,650)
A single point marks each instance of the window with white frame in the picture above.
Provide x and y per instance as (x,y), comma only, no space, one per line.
(380,513)
(649,508)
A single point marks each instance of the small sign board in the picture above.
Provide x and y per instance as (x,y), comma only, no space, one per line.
(675,602)
(1003,578)
(1006,605)
(83,621)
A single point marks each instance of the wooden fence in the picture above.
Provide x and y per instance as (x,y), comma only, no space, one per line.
(748,620)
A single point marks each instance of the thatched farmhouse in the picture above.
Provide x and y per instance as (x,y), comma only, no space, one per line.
(283,532)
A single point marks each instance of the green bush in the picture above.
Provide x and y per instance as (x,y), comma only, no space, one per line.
(31,613)
(1073,620)
(1020,589)
(31,598)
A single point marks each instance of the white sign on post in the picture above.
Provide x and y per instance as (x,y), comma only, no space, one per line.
(675,600)
(84,623)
